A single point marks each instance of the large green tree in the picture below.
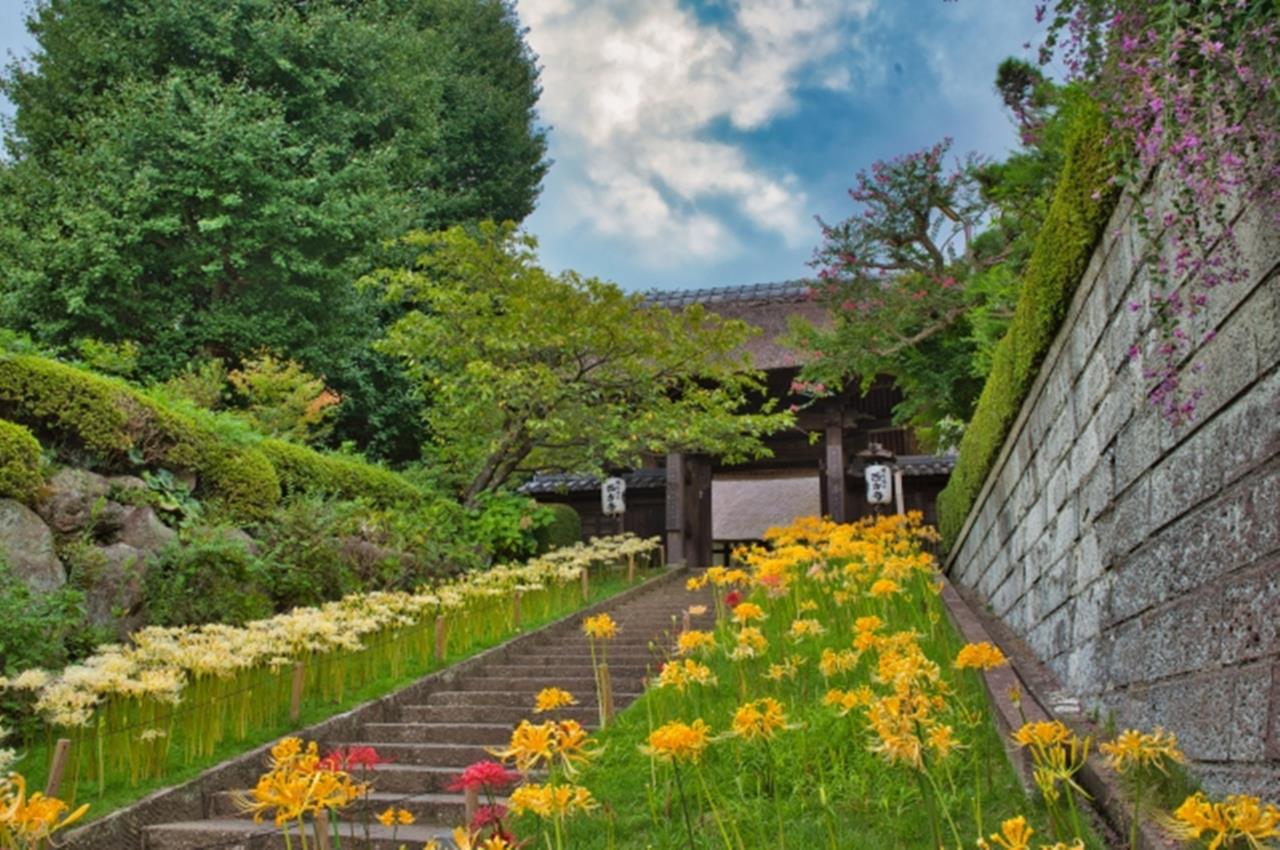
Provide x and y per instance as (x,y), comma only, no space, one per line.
(533,371)
(210,176)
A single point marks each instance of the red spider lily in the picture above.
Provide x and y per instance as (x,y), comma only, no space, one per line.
(487,816)
(732,598)
(484,776)
(351,757)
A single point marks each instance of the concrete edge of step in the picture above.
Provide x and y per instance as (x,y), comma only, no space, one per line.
(189,800)
(1044,698)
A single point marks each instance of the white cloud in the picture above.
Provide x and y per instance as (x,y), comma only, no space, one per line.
(632,90)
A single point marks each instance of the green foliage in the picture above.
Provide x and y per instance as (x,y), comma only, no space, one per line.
(203,383)
(281,399)
(113,358)
(506,524)
(123,427)
(208,576)
(21,474)
(210,177)
(303,470)
(525,370)
(564,529)
(45,630)
(1082,201)
(305,564)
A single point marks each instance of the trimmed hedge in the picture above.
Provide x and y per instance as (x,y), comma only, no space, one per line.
(20,474)
(127,428)
(111,419)
(301,469)
(565,528)
(1082,203)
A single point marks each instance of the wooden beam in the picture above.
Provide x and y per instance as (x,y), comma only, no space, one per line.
(835,464)
(676,505)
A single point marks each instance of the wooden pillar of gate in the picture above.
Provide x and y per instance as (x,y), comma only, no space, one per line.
(688,509)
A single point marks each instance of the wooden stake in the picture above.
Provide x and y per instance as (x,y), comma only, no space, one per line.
(442,638)
(322,830)
(631,568)
(515,613)
(471,802)
(586,584)
(57,767)
(662,554)
(688,622)
(295,697)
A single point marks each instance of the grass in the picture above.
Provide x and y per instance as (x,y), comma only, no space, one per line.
(35,763)
(817,783)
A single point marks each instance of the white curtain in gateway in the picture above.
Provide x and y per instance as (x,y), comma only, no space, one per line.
(744,505)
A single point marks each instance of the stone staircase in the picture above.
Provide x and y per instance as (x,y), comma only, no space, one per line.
(429,743)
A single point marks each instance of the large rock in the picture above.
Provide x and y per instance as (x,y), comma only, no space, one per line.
(71,499)
(113,581)
(143,530)
(76,501)
(26,545)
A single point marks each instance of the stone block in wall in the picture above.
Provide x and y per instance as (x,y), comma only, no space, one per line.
(1131,513)
(1058,486)
(1097,488)
(1201,710)
(1137,447)
(1228,363)
(1053,588)
(1185,477)
(1251,613)
(1246,435)
(1182,637)
(1066,529)
(1250,715)
(1086,561)
(1236,528)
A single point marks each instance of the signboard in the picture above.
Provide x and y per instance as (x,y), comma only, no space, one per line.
(612,496)
(879,484)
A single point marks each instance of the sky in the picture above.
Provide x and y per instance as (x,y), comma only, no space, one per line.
(694,141)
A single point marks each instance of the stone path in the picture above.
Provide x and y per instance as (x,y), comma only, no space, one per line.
(429,744)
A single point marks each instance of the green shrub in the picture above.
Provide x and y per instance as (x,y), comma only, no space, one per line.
(1082,203)
(124,427)
(20,462)
(208,576)
(302,554)
(304,470)
(45,630)
(564,529)
(504,525)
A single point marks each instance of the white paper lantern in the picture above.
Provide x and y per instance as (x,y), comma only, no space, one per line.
(879,484)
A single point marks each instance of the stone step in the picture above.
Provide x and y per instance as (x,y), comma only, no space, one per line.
(437,733)
(581,670)
(244,834)
(509,715)
(433,808)
(455,756)
(410,779)
(510,698)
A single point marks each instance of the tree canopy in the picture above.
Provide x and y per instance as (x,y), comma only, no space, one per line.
(210,176)
(532,371)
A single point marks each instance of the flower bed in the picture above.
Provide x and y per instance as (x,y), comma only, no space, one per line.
(177,696)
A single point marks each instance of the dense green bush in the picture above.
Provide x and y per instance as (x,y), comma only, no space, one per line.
(44,630)
(20,472)
(1082,202)
(303,470)
(208,576)
(304,562)
(564,529)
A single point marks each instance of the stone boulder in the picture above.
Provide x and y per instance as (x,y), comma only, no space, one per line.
(71,499)
(26,545)
(130,483)
(143,530)
(113,581)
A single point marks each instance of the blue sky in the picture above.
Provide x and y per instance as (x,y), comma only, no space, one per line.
(695,140)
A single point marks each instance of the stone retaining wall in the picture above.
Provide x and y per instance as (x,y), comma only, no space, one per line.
(1141,560)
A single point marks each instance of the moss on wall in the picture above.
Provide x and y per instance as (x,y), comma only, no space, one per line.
(1081,205)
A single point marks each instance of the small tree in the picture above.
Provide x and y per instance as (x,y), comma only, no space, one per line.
(524,370)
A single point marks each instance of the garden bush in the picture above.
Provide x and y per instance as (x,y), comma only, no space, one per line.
(304,562)
(207,576)
(1081,204)
(303,470)
(564,529)
(20,463)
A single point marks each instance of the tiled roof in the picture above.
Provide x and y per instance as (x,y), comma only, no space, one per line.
(917,465)
(564,482)
(780,292)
